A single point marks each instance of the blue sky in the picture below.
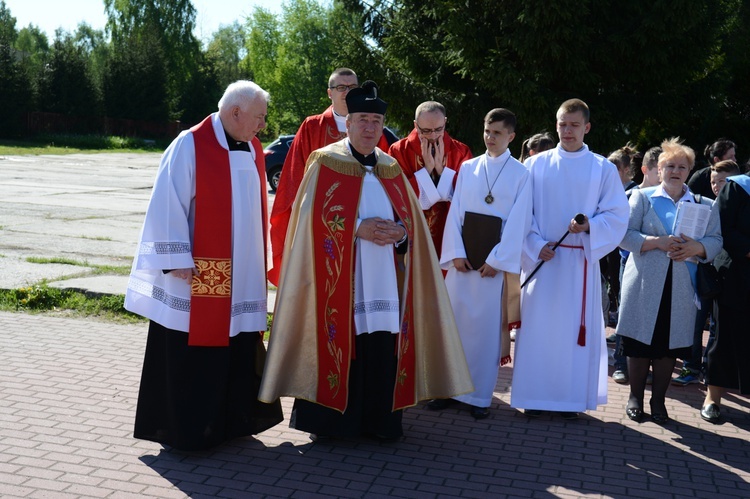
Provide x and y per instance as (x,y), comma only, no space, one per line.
(49,15)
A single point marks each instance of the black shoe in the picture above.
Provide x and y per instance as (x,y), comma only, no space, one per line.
(635,414)
(711,413)
(659,415)
(569,416)
(480,412)
(386,439)
(532,413)
(440,404)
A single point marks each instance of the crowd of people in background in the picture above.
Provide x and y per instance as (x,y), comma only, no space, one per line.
(406,267)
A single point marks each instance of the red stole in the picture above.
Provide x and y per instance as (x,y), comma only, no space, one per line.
(315,132)
(408,153)
(334,218)
(211,291)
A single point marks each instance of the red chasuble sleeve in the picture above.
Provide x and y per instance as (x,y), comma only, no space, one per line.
(315,132)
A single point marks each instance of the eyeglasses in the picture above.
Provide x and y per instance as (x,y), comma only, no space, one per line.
(428,131)
(344,88)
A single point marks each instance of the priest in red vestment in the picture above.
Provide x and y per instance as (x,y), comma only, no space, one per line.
(431,159)
(315,132)
(350,339)
(200,277)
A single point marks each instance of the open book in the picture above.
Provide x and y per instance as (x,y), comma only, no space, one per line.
(691,219)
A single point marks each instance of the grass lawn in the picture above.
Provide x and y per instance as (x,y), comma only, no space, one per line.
(77,144)
(73,144)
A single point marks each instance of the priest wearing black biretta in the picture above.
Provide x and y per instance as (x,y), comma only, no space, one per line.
(351,340)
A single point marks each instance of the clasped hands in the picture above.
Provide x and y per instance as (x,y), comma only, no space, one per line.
(437,162)
(380,231)
(680,249)
(463,265)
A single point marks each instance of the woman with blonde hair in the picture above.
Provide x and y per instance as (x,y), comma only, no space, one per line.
(658,294)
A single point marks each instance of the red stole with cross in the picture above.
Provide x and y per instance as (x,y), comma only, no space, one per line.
(334,218)
(211,292)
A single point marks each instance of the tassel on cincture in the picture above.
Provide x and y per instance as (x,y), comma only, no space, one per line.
(582,336)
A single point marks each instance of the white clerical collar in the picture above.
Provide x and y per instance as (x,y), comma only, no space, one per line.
(572,155)
(499,159)
(340,121)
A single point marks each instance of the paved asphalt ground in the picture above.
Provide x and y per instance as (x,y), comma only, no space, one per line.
(68,389)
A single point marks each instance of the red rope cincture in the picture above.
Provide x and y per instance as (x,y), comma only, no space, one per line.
(582,328)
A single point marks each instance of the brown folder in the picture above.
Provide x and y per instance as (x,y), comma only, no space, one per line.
(480,233)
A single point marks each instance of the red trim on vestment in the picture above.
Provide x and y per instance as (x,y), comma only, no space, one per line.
(404,391)
(335,211)
(334,225)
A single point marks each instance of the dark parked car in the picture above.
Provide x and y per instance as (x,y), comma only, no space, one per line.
(277,150)
(275,155)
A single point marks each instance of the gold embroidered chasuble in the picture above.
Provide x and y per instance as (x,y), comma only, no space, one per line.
(312,337)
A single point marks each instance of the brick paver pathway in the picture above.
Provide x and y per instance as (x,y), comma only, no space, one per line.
(67,396)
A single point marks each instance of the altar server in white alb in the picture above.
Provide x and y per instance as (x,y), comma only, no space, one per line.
(200,276)
(497,185)
(561,356)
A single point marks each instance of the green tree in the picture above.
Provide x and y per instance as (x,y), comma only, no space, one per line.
(67,86)
(227,49)
(647,69)
(8,32)
(135,79)
(292,59)
(32,50)
(14,85)
(96,47)
(202,95)
(733,117)
(170,23)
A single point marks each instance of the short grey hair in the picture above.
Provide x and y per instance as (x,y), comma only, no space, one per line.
(240,93)
(429,107)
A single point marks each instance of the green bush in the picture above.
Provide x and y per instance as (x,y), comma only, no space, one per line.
(38,298)
(99,142)
(41,298)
